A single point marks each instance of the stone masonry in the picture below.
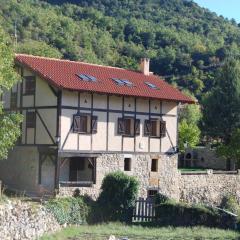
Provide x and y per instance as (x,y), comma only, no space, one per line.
(201,187)
(21,220)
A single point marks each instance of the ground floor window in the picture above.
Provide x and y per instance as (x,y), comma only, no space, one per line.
(127,164)
(154,165)
(82,169)
(152,193)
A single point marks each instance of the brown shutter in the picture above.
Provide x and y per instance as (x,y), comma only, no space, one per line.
(76,123)
(147,127)
(121,126)
(94,124)
(137,127)
(162,129)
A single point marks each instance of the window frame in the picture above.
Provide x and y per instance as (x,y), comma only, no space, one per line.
(91,124)
(154,167)
(28,80)
(127,165)
(133,124)
(148,128)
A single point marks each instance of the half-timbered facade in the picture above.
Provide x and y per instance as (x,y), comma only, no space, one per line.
(82,121)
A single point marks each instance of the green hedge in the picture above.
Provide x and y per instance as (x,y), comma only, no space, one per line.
(69,210)
(117,199)
(170,213)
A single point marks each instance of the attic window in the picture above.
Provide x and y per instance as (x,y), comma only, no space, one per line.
(123,82)
(151,85)
(87,78)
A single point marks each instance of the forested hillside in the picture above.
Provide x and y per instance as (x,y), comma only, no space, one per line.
(185,42)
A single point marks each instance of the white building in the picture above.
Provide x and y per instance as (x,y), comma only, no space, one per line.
(83,120)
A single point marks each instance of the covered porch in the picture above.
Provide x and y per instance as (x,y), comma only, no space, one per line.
(77,171)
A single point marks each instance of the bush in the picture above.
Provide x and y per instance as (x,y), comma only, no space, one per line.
(170,213)
(230,203)
(117,199)
(69,210)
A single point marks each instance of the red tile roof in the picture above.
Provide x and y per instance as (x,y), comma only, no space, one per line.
(62,74)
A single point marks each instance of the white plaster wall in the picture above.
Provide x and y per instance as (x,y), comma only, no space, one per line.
(44,95)
(114,140)
(99,139)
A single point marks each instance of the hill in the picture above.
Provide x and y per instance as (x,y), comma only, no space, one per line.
(184,41)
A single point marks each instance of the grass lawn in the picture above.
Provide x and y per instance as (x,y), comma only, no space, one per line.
(103,232)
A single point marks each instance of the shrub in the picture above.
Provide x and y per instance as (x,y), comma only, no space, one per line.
(170,213)
(69,210)
(117,199)
(230,203)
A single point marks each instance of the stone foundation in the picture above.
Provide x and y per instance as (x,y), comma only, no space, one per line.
(202,187)
(164,179)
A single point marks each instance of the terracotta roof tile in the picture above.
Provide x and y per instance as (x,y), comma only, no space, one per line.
(62,74)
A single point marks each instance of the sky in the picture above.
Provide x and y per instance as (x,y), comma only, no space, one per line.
(228,8)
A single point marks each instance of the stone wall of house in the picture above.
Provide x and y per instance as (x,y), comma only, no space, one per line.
(21,220)
(165,178)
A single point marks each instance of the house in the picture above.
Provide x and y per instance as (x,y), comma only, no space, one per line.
(84,120)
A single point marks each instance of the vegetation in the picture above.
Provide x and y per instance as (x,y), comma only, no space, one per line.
(102,232)
(231,150)
(186,43)
(171,213)
(71,210)
(9,122)
(221,106)
(116,201)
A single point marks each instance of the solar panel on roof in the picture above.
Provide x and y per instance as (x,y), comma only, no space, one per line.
(87,77)
(151,85)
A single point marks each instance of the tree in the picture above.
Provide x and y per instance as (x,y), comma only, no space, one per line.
(221,111)
(188,133)
(189,118)
(38,48)
(231,150)
(9,122)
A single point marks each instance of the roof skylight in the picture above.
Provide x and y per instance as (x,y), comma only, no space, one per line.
(87,77)
(123,82)
(151,85)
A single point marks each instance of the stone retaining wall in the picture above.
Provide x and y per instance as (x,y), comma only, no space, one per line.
(208,187)
(21,220)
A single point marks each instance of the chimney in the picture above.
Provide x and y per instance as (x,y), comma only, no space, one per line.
(144,66)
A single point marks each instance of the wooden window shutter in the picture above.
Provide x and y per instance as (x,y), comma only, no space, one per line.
(163,129)
(94,124)
(147,127)
(137,127)
(76,123)
(121,126)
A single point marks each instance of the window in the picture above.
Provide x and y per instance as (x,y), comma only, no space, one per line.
(123,82)
(151,85)
(87,77)
(154,165)
(30,120)
(127,164)
(128,126)
(85,123)
(75,165)
(152,193)
(30,85)
(13,103)
(155,128)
